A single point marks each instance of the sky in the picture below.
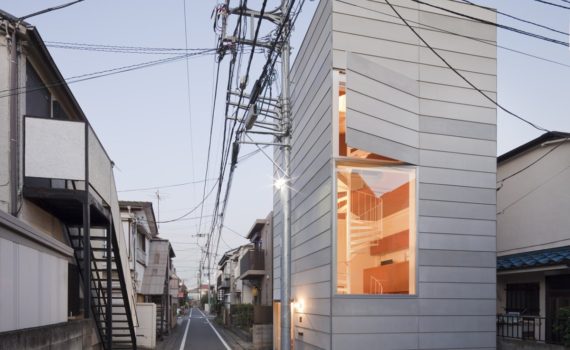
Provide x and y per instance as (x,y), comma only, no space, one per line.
(144,121)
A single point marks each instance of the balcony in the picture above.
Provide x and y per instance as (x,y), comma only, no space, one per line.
(252,264)
(60,158)
(223,281)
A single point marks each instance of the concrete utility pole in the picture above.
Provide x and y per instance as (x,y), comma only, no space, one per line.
(286,189)
(281,130)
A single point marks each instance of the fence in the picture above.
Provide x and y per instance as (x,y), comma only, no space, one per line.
(533,328)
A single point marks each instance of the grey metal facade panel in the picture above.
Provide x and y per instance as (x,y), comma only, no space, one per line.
(457,177)
(393,149)
(457,111)
(373,131)
(358,306)
(457,210)
(458,258)
(439,290)
(457,194)
(376,324)
(453,340)
(446,241)
(454,127)
(457,226)
(458,161)
(372,341)
(457,274)
(434,324)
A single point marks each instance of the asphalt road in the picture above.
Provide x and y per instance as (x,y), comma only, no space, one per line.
(195,332)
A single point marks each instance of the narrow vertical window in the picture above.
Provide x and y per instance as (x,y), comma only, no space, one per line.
(376,219)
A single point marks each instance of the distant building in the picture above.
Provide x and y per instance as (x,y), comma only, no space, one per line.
(533,238)
(156,284)
(139,225)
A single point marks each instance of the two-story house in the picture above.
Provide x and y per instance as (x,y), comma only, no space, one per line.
(64,274)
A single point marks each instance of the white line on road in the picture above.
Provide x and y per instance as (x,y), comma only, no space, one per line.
(215,331)
(186,331)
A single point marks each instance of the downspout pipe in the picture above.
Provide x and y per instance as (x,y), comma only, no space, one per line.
(14,134)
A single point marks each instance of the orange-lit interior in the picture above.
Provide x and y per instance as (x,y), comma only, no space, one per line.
(375,221)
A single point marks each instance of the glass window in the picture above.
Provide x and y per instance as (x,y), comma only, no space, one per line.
(523,298)
(376,218)
(375,229)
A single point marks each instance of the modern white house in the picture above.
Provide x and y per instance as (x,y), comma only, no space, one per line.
(64,274)
(533,239)
(393,162)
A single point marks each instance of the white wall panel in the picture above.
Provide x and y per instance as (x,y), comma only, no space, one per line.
(54,149)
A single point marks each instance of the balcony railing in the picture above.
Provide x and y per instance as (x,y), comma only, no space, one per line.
(252,264)
(223,282)
(533,328)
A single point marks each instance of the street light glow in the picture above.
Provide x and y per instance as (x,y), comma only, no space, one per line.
(279,183)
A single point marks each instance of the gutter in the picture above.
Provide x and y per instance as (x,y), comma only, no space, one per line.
(14,134)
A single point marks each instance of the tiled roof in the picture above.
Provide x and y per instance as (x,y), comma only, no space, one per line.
(535,258)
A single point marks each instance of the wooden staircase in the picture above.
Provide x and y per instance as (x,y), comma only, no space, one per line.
(108,294)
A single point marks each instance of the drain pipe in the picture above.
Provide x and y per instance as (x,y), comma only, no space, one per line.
(14,135)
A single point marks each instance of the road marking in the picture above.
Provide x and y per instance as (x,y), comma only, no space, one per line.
(186,331)
(215,331)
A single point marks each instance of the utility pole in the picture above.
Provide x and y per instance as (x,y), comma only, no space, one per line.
(286,189)
(280,130)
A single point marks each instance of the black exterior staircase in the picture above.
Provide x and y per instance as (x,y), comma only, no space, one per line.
(109,302)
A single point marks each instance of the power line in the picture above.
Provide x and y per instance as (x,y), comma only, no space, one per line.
(517,18)
(191,210)
(215,95)
(553,4)
(166,186)
(502,26)
(536,126)
(533,190)
(100,74)
(533,163)
(189,97)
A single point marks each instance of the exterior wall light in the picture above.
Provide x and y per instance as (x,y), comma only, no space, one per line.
(299,305)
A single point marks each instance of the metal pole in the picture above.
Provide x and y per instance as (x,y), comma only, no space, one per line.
(86,232)
(286,191)
(109,305)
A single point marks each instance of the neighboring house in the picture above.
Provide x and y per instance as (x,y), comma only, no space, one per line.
(393,160)
(226,279)
(63,256)
(173,290)
(139,224)
(156,283)
(256,264)
(256,273)
(533,238)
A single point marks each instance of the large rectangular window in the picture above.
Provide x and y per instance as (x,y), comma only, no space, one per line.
(375,229)
(376,217)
